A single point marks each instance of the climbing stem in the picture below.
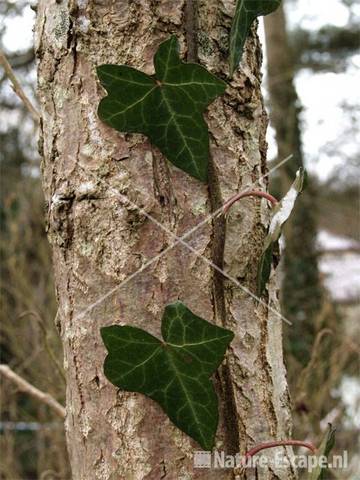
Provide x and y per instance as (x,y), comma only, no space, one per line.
(248,193)
(280,443)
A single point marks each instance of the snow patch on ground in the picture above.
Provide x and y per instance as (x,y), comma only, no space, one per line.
(341,270)
(328,241)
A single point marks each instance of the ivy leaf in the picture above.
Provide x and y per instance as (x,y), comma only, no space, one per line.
(175,373)
(281,213)
(325,448)
(168,108)
(246,12)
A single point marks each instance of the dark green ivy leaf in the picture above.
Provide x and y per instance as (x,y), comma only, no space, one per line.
(246,12)
(167,108)
(175,373)
(325,448)
(280,215)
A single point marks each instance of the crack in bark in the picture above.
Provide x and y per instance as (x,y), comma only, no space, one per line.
(163,189)
(217,251)
(164,472)
(190,22)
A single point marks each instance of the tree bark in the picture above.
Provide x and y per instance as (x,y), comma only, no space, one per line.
(98,240)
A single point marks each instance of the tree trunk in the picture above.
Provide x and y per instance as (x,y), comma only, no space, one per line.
(301,292)
(98,240)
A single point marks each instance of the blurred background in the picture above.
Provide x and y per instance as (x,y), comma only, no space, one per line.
(311,88)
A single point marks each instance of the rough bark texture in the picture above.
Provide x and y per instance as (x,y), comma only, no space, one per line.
(98,241)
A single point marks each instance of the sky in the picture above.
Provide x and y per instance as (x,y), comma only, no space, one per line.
(322,94)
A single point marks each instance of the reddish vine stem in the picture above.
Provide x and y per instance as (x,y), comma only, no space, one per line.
(280,443)
(249,193)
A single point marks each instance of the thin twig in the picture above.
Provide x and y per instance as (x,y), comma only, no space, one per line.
(17,87)
(26,387)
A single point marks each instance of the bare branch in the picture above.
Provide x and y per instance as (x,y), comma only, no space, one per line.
(17,87)
(26,387)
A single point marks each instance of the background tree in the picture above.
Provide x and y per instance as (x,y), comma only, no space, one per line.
(319,328)
(301,288)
